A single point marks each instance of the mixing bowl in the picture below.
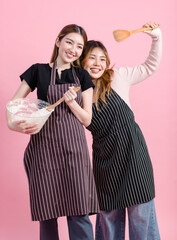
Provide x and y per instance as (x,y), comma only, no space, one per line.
(29,110)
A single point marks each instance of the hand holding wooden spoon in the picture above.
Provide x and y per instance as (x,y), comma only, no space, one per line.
(120,35)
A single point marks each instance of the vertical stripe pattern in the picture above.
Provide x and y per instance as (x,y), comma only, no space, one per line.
(121,163)
(57,163)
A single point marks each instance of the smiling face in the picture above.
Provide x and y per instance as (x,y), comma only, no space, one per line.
(70,48)
(95,63)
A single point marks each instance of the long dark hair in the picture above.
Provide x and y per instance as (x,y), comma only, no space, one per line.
(103,84)
(71,28)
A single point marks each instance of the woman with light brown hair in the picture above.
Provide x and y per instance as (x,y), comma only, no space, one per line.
(57,159)
(121,163)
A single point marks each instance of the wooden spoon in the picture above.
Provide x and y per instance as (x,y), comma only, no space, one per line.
(51,107)
(120,35)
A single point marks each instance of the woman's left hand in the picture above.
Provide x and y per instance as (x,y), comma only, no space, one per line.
(70,95)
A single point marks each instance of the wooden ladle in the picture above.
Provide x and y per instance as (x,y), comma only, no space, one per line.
(51,107)
(120,35)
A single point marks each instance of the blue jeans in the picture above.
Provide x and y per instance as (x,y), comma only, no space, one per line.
(110,225)
(80,228)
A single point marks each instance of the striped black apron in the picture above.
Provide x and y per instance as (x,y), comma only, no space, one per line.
(121,163)
(57,162)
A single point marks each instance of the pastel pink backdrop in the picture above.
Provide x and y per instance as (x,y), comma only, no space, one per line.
(28,31)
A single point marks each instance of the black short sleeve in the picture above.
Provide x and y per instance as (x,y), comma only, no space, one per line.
(85,79)
(39,75)
(30,76)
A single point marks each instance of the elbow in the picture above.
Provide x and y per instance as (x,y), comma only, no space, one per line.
(151,67)
(87,121)
(9,121)
(9,124)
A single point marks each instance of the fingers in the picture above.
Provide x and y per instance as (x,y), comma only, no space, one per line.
(70,95)
(21,122)
(151,25)
(31,129)
(27,128)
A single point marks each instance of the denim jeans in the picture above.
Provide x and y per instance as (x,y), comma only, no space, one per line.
(110,225)
(80,228)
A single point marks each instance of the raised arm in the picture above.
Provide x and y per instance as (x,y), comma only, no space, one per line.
(142,71)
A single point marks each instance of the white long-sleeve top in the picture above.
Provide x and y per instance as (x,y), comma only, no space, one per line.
(124,77)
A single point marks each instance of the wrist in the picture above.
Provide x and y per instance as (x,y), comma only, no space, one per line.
(155,33)
(71,103)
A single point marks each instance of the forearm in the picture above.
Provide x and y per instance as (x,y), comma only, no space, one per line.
(82,115)
(155,54)
(142,71)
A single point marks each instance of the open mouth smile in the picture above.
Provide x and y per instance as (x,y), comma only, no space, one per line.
(95,70)
(70,55)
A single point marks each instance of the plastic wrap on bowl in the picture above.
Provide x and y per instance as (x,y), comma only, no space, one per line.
(29,110)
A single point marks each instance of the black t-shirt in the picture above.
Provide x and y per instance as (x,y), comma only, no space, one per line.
(38,76)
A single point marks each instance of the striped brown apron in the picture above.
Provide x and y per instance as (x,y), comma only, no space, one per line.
(57,162)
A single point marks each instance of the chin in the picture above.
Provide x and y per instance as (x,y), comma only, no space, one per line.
(95,76)
(69,61)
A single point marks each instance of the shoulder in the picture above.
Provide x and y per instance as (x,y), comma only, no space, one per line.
(81,72)
(41,65)
(84,78)
(124,71)
(120,72)
(121,77)
(35,71)
(38,66)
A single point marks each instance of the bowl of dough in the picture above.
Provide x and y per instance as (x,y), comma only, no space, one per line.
(29,110)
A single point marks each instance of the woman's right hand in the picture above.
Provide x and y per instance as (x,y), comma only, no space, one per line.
(22,127)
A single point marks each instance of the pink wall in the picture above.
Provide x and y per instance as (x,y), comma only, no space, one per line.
(28,31)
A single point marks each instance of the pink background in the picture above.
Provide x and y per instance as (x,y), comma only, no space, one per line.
(28,31)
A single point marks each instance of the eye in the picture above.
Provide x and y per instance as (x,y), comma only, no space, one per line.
(103,59)
(91,57)
(80,47)
(69,42)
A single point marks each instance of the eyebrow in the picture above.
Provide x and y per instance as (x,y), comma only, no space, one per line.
(95,55)
(73,41)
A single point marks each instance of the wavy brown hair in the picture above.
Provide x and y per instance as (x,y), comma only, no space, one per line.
(71,28)
(103,84)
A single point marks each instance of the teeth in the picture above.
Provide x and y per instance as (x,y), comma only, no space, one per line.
(70,55)
(94,70)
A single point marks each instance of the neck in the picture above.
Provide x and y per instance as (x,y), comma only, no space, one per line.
(94,81)
(61,65)
(94,90)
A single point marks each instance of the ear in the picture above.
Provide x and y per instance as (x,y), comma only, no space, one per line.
(57,42)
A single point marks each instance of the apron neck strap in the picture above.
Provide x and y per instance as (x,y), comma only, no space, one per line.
(53,73)
(75,76)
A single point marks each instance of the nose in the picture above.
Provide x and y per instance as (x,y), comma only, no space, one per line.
(97,61)
(73,48)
